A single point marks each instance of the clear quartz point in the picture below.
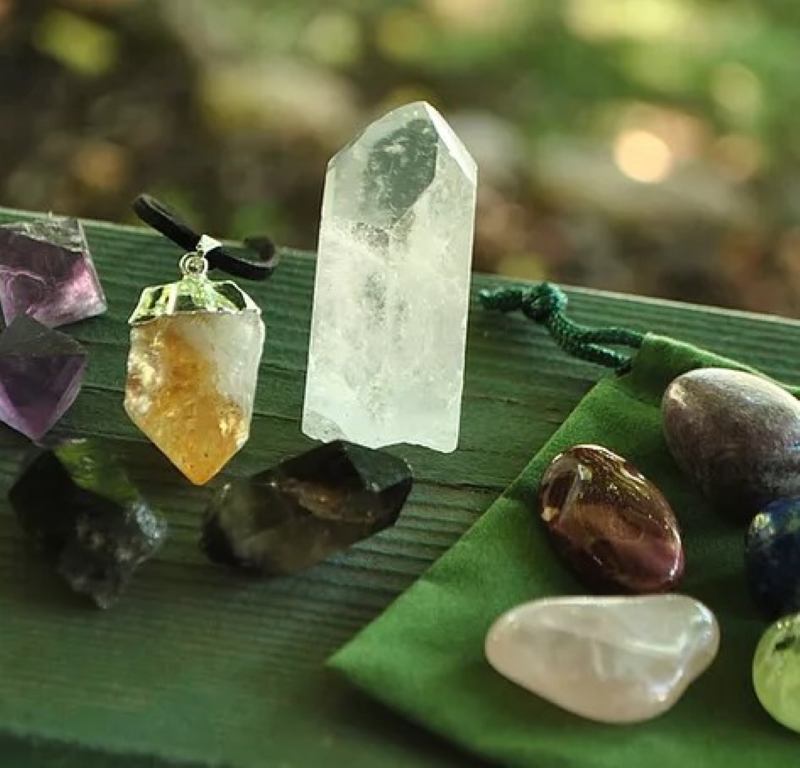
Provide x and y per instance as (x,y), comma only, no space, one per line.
(386,354)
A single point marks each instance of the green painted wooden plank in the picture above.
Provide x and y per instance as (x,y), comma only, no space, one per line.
(201,666)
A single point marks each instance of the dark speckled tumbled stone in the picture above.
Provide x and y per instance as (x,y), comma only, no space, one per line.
(737,435)
(610,523)
(773,558)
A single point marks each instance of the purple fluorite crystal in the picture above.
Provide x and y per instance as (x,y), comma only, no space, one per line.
(40,375)
(46,271)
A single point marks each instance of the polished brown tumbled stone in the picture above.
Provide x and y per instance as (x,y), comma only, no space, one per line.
(737,435)
(610,523)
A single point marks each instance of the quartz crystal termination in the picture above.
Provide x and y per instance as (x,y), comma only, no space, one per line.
(78,504)
(192,371)
(388,331)
(46,271)
(296,514)
(41,371)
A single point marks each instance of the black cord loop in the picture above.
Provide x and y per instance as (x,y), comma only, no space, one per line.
(164,220)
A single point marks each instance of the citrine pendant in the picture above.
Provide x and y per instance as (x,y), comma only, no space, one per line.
(193,367)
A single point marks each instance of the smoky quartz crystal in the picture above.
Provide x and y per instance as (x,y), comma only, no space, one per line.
(297,513)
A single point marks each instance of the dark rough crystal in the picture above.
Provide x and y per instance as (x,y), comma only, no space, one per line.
(296,514)
(772,555)
(77,502)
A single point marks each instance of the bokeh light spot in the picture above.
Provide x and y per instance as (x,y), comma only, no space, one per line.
(334,38)
(76,42)
(739,156)
(643,156)
(737,90)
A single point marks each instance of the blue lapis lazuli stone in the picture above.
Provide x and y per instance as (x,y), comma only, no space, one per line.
(772,555)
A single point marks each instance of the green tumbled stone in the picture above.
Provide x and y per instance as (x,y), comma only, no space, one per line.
(776,671)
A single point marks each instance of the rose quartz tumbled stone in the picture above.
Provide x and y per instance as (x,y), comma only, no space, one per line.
(610,659)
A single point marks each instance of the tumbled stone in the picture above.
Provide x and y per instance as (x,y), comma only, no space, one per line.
(41,371)
(611,525)
(776,671)
(46,271)
(294,515)
(192,371)
(610,659)
(78,504)
(388,331)
(773,557)
(737,435)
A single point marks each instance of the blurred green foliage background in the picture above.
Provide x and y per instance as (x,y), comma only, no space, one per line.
(649,146)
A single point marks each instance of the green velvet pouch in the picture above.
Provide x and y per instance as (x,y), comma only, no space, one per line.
(424,656)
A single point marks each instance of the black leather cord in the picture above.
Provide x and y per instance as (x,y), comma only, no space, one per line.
(169,224)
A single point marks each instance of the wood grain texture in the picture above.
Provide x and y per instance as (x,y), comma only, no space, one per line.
(200,666)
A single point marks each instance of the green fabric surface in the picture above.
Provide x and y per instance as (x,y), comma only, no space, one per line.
(424,655)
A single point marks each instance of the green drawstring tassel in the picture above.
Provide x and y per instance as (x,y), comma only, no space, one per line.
(545,304)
